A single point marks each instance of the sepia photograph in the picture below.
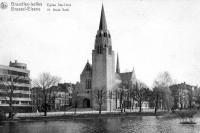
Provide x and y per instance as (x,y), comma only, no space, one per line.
(99,66)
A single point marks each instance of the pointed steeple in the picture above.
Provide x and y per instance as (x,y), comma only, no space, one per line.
(103,37)
(88,67)
(117,67)
(133,77)
(102,24)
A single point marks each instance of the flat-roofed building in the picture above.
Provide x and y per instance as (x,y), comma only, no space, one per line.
(183,95)
(15,84)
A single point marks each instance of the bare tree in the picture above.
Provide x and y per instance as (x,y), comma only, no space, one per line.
(75,96)
(162,91)
(75,100)
(100,97)
(45,81)
(117,86)
(8,86)
(140,94)
(157,96)
(121,99)
(197,98)
(116,96)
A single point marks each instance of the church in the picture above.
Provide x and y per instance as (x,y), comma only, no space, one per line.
(101,74)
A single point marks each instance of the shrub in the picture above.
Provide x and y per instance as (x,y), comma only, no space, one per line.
(186,115)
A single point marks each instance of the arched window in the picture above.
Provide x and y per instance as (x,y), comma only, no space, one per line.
(88,84)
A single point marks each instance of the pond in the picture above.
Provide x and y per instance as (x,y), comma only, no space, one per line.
(142,124)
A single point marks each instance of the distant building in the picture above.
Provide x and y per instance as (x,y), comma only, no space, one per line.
(63,96)
(16,76)
(37,98)
(183,95)
(58,97)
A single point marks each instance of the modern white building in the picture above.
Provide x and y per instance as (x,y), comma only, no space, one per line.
(15,86)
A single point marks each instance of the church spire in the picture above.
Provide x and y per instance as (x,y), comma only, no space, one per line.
(117,68)
(103,37)
(102,24)
(133,77)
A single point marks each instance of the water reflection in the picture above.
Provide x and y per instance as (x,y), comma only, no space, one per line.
(145,124)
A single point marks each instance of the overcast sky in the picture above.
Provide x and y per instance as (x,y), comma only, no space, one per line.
(150,35)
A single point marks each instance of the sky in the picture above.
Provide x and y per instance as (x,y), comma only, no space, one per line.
(150,36)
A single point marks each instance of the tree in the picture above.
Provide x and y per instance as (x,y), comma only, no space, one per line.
(121,99)
(157,92)
(116,96)
(45,81)
(140,94)
(123,95)
(100,97)
(75,98)
(162,91)
(117,86)
(8,86)
(167,99)
(197,98)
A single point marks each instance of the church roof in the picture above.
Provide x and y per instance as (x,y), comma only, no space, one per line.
(128,76)
(102,24)
(125,76)
(88,67)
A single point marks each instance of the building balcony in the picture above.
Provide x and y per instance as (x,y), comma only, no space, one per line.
(16,99)
(22,92)
(16,84)
(16,105)
(16,91)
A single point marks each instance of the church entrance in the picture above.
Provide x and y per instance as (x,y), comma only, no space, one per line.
(86,103)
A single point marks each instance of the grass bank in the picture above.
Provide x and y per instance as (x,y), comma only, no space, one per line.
(89,116)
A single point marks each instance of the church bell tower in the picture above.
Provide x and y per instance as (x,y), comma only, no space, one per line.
(103,64)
